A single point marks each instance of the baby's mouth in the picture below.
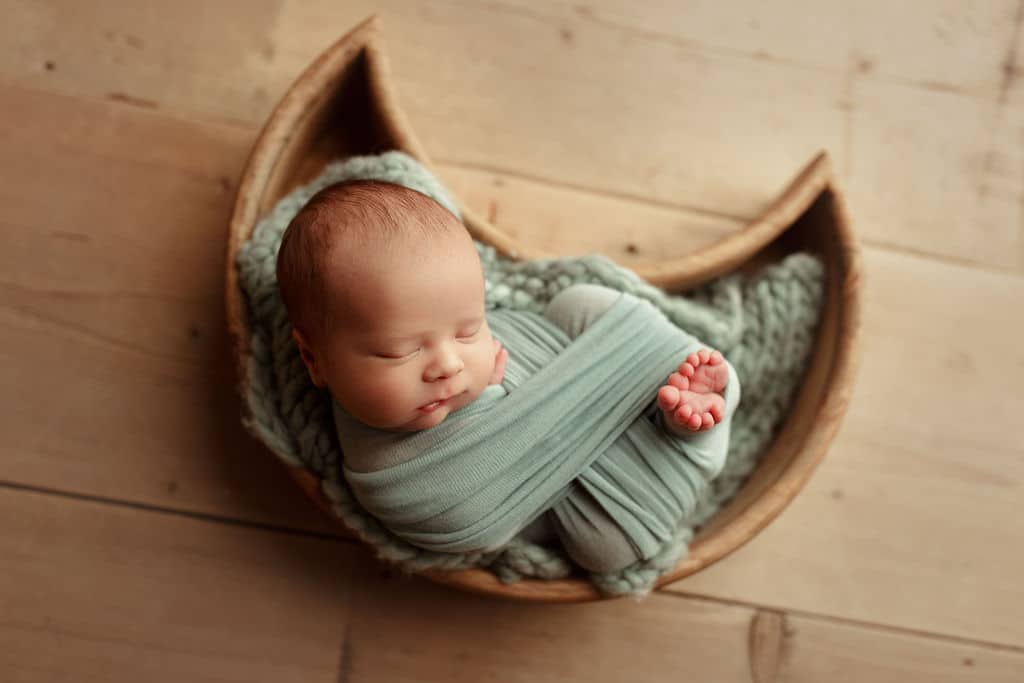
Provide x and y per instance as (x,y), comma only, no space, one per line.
(434,405)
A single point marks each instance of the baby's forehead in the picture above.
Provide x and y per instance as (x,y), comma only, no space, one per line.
(403,296)
(433,281)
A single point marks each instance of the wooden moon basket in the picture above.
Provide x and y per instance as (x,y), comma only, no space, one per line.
(343,105)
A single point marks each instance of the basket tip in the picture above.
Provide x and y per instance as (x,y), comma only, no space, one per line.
(372,23)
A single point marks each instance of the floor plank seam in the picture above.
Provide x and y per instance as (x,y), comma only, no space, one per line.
(147,507)
(848,621)
(198,119)
(673,594)
(943,259)
(712,213)
(120,99)
(759,56)
(562,184)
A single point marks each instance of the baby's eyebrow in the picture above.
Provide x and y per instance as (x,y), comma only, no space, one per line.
(413,337)
(386,339)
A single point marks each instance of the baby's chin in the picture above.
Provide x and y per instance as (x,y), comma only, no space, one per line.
(427,421)
(420,422)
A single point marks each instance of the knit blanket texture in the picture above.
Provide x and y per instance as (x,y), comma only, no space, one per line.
(764,324)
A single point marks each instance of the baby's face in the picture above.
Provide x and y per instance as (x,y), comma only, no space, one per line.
(413,343)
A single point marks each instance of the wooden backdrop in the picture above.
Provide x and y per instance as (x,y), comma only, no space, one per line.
(145,536)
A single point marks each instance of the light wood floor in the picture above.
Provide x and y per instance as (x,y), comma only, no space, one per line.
(145,537)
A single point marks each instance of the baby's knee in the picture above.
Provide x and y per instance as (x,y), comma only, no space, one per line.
(614,555)
(604,553)
(589,535)
(577,307)
(585,295)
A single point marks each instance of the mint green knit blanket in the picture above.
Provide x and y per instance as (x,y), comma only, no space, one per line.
(764,325)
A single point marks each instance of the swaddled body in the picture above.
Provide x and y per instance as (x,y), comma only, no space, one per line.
(451,457)
(571,434)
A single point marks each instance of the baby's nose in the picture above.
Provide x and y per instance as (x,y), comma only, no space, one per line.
(446,364)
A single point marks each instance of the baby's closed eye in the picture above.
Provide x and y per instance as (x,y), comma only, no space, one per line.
(470,331)
(397,355)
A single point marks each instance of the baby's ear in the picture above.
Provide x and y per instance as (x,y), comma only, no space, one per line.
(306,351)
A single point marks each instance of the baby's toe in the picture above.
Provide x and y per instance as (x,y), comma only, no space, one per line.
(705,355)
(668,397)
(693,359)
(707,422)
(716,358)
(716,414)
(687,369)
(687,418)
(678,381)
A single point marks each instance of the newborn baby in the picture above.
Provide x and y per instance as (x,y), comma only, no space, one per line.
(385,292)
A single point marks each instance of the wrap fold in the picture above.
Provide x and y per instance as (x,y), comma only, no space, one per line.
(581,410)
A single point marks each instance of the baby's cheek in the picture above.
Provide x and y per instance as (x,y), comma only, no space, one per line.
(483,362)
(373,394)
(386,391)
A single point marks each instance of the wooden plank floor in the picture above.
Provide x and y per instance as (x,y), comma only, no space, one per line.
(146,536)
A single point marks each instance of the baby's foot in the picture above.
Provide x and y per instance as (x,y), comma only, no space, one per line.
(692,399)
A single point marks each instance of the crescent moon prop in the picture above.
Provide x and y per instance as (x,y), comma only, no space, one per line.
(344,105)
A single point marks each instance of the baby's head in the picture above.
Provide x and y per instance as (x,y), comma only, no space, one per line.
(385,293)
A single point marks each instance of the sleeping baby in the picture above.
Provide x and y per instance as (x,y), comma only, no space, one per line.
(386,296)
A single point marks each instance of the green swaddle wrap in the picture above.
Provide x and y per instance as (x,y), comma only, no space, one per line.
(567,410)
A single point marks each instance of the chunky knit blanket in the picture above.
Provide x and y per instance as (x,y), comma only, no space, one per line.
(764,325)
